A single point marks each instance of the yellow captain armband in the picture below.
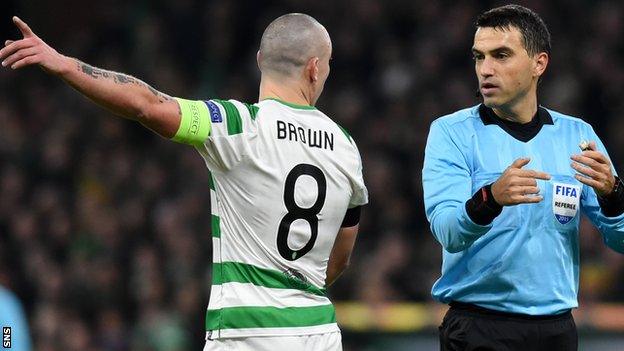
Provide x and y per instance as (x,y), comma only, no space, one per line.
(194,123)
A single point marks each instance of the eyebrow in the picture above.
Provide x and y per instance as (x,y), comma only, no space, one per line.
(495,50)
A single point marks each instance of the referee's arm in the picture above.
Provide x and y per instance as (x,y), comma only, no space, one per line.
(606,212)
(447,186)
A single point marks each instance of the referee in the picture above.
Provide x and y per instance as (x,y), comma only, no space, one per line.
(504,184)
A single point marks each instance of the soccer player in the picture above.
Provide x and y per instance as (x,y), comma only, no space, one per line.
(286,183)
(504,185)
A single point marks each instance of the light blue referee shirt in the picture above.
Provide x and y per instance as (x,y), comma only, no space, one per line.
(527,260)
(12,315)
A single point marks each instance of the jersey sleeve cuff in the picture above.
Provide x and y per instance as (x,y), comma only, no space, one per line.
(194,122)
(482,208)
(613,205)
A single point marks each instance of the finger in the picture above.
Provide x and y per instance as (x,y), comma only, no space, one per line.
(8,42)
(592,146)
(588,181)
(530,173)
(23,27)
(16,45)
(527,190)
(586,171)
(26,61)
(527,199)
(520,162)
(588,161)
(596,155)
(522,181)
(18,55)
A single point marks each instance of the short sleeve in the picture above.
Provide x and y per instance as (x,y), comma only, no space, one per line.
(359,196)
(233,129)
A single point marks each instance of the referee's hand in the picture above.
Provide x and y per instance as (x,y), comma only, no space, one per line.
(594,169)
(518,186)
(30,50)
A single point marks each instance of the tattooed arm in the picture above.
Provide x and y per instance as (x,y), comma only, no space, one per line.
(122,94)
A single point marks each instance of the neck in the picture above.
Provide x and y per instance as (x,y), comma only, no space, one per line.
(284,89)
(521,111)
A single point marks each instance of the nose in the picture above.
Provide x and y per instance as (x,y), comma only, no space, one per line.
(485,67)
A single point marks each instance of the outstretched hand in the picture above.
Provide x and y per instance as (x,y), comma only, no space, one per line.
(30,50)
(518,186)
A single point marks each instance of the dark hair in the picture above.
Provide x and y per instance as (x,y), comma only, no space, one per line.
(535,34)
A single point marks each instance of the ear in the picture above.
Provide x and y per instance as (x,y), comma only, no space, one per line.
(540,64)
(258,58)
(312,69)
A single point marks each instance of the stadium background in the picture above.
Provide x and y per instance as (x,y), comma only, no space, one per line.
(104,232)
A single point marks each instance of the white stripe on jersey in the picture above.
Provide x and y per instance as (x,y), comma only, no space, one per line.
(245,294)
(242,332)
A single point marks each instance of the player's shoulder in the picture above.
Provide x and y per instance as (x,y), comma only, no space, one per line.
(458,118)
(342,131)
(561,118)
(274,106)
(231,107)
(8,298)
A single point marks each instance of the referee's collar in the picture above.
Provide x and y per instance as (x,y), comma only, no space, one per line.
(522,132)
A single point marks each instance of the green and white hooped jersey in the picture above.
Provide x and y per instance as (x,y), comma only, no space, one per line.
(282,179)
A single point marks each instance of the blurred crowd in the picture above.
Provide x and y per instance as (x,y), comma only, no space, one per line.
(105,227)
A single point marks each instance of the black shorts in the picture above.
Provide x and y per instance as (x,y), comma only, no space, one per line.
(469,327)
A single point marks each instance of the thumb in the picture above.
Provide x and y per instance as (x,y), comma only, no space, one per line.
(520,162)
(7,42)
(592,146)
(23,27)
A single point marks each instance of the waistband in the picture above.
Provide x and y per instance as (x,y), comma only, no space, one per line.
(471,308)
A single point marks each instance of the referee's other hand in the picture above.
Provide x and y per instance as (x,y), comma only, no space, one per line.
(594,169)
(518,186)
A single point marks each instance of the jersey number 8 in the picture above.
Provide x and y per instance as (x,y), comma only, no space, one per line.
(295,212)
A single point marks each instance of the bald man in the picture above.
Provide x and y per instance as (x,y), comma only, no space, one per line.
(286,183)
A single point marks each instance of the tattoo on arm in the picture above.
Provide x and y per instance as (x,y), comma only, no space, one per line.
(119,78)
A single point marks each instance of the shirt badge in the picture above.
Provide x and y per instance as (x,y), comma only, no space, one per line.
(565,201)
(215,113)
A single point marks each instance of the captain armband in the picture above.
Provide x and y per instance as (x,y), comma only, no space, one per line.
(194,123)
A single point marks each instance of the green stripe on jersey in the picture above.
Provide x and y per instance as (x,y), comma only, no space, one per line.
(290,104)
(253,110)
(234,121)
(211,184)
(345,133)
(235,272)
(216,226)
(269,317)
(194,123)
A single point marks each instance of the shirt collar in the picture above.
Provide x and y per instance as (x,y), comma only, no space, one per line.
(523,132)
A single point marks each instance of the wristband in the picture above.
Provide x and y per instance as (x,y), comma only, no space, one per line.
(612,205)
(482,208)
